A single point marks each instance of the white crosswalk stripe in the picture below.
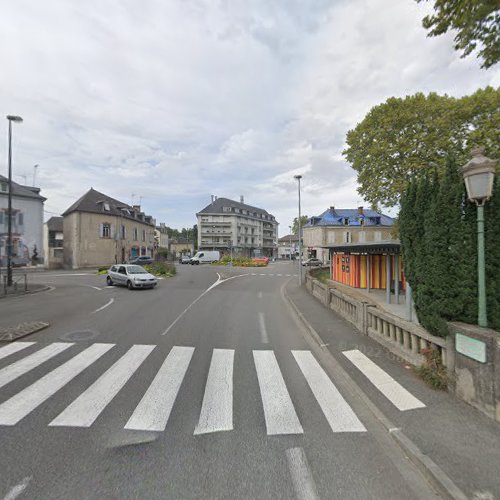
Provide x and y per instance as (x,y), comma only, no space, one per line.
(279,411)
(89,405)
(392,390)
(339,414)
(216,413)
(24,402)
(153,411)
(217,407)
(27,364)
(13,348)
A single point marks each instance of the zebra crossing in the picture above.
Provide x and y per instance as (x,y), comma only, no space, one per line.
(153,410)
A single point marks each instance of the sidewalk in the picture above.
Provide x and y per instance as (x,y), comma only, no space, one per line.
(463,442)
(15,291)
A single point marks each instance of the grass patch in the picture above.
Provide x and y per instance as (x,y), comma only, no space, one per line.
(163,269)
(322,276)
(102,270)
(433,372)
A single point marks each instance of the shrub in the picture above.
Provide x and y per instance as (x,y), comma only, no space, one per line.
(161,269)
(240,262)
(433,371)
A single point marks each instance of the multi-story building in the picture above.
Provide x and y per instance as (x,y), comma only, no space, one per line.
(100,231)
(53,243)
(288,246)
(27,223)
(337,226)
(227,225)
(161,236)
(181,246)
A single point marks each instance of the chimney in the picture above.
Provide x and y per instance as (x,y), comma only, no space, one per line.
(242,199)
(137,208)
(361,211)
(332,209)
(212,196)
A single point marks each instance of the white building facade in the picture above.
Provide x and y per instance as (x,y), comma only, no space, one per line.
(228,225)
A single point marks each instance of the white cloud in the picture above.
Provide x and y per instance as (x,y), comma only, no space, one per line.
(174,101)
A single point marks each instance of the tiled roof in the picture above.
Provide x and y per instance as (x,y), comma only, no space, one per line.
(55,224)
(217,207)
(337,216)
(22,191)
(95,202)
(288,237)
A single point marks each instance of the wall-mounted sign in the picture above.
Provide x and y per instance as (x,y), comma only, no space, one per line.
(472,348)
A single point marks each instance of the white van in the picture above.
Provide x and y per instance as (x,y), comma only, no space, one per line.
(206,256)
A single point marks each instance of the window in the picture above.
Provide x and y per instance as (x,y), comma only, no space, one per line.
(20,218)
(123,232)
(3,187)
(105,230)
(1,217)
(143,235)
(135,234)
(347,237)
(106,206)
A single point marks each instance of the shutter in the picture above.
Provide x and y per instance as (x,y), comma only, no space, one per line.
(101,230)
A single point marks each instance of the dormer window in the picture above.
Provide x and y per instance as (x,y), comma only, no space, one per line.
(106,206)
(346,221)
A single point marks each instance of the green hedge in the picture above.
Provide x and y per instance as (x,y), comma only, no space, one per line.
(161,269)
(438,232)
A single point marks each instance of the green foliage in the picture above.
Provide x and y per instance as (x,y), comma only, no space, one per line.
(295,224)
(476,23)
(433,371)
(439,247)
(161,269)
(240,262)
(409,138)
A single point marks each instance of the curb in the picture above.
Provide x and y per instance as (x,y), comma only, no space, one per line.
(430,470)
(23,294)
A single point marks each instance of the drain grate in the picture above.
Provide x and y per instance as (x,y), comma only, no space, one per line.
(79,336)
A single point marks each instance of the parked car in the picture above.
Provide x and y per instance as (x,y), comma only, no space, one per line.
(141,260)
(130,275)
(312,262)
(185,259)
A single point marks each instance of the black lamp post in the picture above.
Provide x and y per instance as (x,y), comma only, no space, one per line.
(11,119)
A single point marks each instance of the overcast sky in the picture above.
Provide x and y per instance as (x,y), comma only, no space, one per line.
(173,101)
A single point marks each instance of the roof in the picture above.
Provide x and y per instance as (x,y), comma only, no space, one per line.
(336,217)
(181,241)
(288,238)
(23,191)
(55,224)
(216,207)
(95,202)
(369,247)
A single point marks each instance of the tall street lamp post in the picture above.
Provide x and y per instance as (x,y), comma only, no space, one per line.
(290,227)
(298,177)
(479,174)
(18,119)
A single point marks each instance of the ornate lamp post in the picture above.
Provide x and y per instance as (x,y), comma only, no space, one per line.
(11,119)
(298,177)
(479,174)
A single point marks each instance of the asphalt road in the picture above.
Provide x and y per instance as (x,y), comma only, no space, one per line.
(205,387)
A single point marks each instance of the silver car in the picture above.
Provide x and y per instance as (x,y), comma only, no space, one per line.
(131,276)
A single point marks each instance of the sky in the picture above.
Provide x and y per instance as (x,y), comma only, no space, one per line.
(167,102)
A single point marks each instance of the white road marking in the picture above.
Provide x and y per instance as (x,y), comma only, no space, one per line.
(338,413)
(288,275)
(75,274)
(253,274)
(154,409)
(263,332)
(89,405)
(303,482)
(26,364)
(104,306)
(24,402)
(279,275)
(217,408)
(392,390)
(259,295)
(217,283)
(18,489)
(262,274)
(94,287)
(279,411)
(110,286)
(12,348)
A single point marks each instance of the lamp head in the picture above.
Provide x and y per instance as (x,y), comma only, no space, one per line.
(298,177)
(14,118)
(479,174)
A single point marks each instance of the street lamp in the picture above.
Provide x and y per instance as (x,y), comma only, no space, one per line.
(290,227)
(479,174)
(298,177)
(18,119)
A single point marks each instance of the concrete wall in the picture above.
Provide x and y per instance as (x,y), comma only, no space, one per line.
(83,246)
